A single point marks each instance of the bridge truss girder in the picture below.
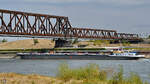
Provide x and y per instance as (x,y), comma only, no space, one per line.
(32,24)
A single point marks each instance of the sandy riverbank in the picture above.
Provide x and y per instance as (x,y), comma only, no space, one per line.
(13,78)
(45,43)
(27,44)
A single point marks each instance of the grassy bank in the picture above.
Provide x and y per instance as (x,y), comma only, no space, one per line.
(139,49)
(63,49)
(13,51)
(90,74)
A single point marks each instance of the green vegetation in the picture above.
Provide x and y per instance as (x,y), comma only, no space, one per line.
(79,49)
(53,49)
(14,51)
(75,41)
(143,49)
(4,40)
(100,42)
(149,37)
(92,74)
(35,41)
(125,43)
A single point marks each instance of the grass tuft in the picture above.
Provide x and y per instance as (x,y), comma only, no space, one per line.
(89,72)
(92,74)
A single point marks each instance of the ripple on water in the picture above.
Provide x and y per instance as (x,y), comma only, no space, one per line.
(50,67)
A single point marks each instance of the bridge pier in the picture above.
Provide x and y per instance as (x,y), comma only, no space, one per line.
(62,43)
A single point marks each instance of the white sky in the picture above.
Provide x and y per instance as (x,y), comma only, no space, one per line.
(129,16)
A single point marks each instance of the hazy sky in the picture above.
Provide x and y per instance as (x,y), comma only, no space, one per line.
(129,16)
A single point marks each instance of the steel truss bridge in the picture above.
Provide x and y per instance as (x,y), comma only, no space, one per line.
(31,24)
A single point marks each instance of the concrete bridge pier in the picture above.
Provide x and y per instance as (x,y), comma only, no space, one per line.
(60,42)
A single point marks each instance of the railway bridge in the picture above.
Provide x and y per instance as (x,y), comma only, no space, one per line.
(24,24)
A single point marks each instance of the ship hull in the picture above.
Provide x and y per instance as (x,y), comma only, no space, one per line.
(78,57)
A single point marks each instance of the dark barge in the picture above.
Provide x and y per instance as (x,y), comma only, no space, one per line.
(75,56)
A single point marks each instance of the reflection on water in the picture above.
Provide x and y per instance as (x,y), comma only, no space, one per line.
(50,67)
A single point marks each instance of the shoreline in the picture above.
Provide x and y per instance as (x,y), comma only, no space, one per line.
(8,56)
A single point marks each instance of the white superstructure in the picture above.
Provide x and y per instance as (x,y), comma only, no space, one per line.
(126,53)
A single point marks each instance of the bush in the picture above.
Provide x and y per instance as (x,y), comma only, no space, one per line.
(149,37)
(89,72)
(125,43)
(134,79)
(92,74)
(35,41)
(97,42)
(4,40)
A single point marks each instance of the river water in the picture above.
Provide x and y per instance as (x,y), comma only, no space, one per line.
(50,67)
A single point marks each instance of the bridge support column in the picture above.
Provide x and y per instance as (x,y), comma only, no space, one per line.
(62,43)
